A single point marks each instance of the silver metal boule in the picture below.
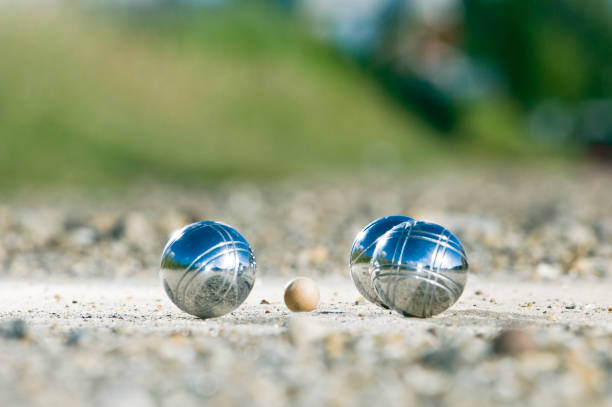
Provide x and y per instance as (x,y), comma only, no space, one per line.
(207,269)
(361,254)
(419,269)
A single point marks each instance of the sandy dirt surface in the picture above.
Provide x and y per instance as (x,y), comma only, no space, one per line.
(485,306)
(84,320)
(115,343)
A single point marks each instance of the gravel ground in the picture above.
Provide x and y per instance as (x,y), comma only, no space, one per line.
(84,320)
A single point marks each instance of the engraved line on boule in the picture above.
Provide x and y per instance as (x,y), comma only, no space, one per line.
(234,281)
(397,244)
(448,290)
(404,232)
(375,240)
(434,239)
(188,268)
(176,236)
(364,231)
(403,249)
(430,282)
(444,238)
(207,262)
(229,283)
(361,253)
(417,232)
(413,272)
(200,266)
(194,262)
(427,294)
(439,268)
(433,266)
(462,254)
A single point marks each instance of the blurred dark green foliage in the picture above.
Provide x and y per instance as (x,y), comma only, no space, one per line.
(544,49)
(525,72)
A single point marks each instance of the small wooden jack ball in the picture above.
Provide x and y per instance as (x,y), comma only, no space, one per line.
(302,295)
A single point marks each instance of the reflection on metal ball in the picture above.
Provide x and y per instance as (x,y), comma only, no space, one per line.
(419,269)
(361,254)
(207,269)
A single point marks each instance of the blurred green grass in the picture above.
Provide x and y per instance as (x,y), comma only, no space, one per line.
(188,96)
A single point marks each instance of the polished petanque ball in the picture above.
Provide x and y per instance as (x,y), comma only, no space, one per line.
(419,269)
(361,254)
(207,269)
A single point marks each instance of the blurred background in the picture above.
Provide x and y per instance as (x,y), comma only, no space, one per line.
(108,93)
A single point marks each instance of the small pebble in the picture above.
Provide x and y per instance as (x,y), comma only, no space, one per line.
(302,295)
(513,342)
(548,271)
(317,255)
(15,329)
(446,358)
(74,337)
(302,330)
